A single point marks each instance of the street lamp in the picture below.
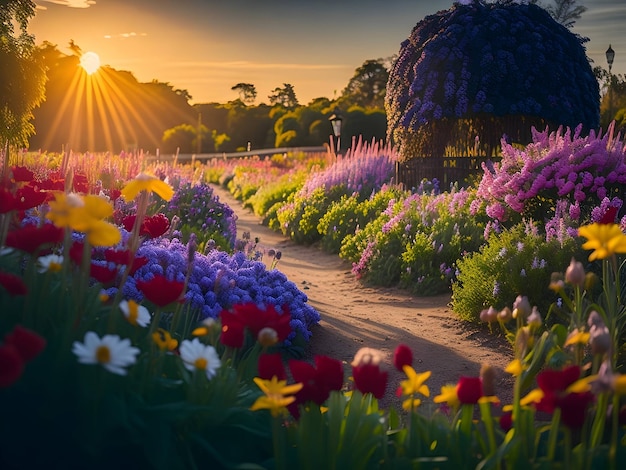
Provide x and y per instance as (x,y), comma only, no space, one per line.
(610,56)
(336,121)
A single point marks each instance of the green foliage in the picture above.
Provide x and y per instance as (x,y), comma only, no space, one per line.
(349,214)
(22,75)
(300,217)
(275,192)
(515,262)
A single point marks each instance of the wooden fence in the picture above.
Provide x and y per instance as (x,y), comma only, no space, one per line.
(447,170)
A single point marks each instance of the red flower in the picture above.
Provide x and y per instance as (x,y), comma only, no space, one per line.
(319,380)
(233,329)
(31,238)
(554,384)
(609,216)
(402,356)
(155,226)
(80,183)
(7,201)
(152,226)
(128,222)
(11,365)
(13,284)
(123,257)
(161,291)
(21,173)
(26,342)
(255,318)
(506,421)
(469,390)
(29,197)
(102,274)
(76,252)
(271,365)
(368,376)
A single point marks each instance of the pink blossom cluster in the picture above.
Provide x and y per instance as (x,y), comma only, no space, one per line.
(556,165)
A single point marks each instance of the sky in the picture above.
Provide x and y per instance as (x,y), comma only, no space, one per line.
(208,46)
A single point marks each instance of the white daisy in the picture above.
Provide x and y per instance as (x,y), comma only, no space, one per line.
(198,356)
(135,314)
(111,351)
(50,263)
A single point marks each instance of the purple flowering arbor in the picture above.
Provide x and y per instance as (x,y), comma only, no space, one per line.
(472,75)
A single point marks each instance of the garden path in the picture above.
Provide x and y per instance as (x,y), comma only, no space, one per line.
(354,316)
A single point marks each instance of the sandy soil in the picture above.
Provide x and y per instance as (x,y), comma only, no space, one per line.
(354,316)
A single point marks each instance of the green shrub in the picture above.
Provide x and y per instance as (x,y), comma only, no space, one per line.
(518,261)
(347,215)
(273,192)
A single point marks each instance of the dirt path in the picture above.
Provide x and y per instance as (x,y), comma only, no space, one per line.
(355,316)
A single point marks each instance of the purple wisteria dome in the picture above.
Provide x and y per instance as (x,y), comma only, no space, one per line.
(480,61)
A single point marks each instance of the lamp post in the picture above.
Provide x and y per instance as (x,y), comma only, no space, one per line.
(336,120)
(610,56)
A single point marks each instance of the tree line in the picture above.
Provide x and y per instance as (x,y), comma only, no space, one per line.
(45,104)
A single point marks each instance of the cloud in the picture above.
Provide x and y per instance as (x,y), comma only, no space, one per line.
(132,34)
(69,3)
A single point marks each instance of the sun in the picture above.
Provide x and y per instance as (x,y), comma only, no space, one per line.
(90,61)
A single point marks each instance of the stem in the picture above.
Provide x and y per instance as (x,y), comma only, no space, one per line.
(467,416)
(614,431)
(278,440)
(554,433)
(485,412)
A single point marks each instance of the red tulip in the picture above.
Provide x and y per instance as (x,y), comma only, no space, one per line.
(161,291)
(11,365)
(13,284)
(271,365)
(402,356)
(27,343)
(469,390)
(31,238)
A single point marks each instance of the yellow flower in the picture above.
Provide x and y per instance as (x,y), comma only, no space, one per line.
(415,382)
(620,384)
(149,183)
(164,340)
(101,233)
(515,368)
(577,337)
(85,214)
(605,239)
(448,395)
(278,395)
(534,396)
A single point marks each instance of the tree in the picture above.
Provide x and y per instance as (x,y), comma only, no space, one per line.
(285,96)
(22,75)
(247,92)
(487,70)
(368,85)
(566,12)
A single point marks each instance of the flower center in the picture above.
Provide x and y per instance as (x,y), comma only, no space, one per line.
(133,312)
(200,363)
(103,355)
(54,267)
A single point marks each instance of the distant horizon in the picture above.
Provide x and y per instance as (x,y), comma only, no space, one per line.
(208,46)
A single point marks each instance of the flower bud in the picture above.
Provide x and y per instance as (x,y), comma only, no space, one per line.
(600,340)
(575,274)
(267,337)
(402,356)
(505,315)
(488,376)
(521,307)
(489,315)
(534,319)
